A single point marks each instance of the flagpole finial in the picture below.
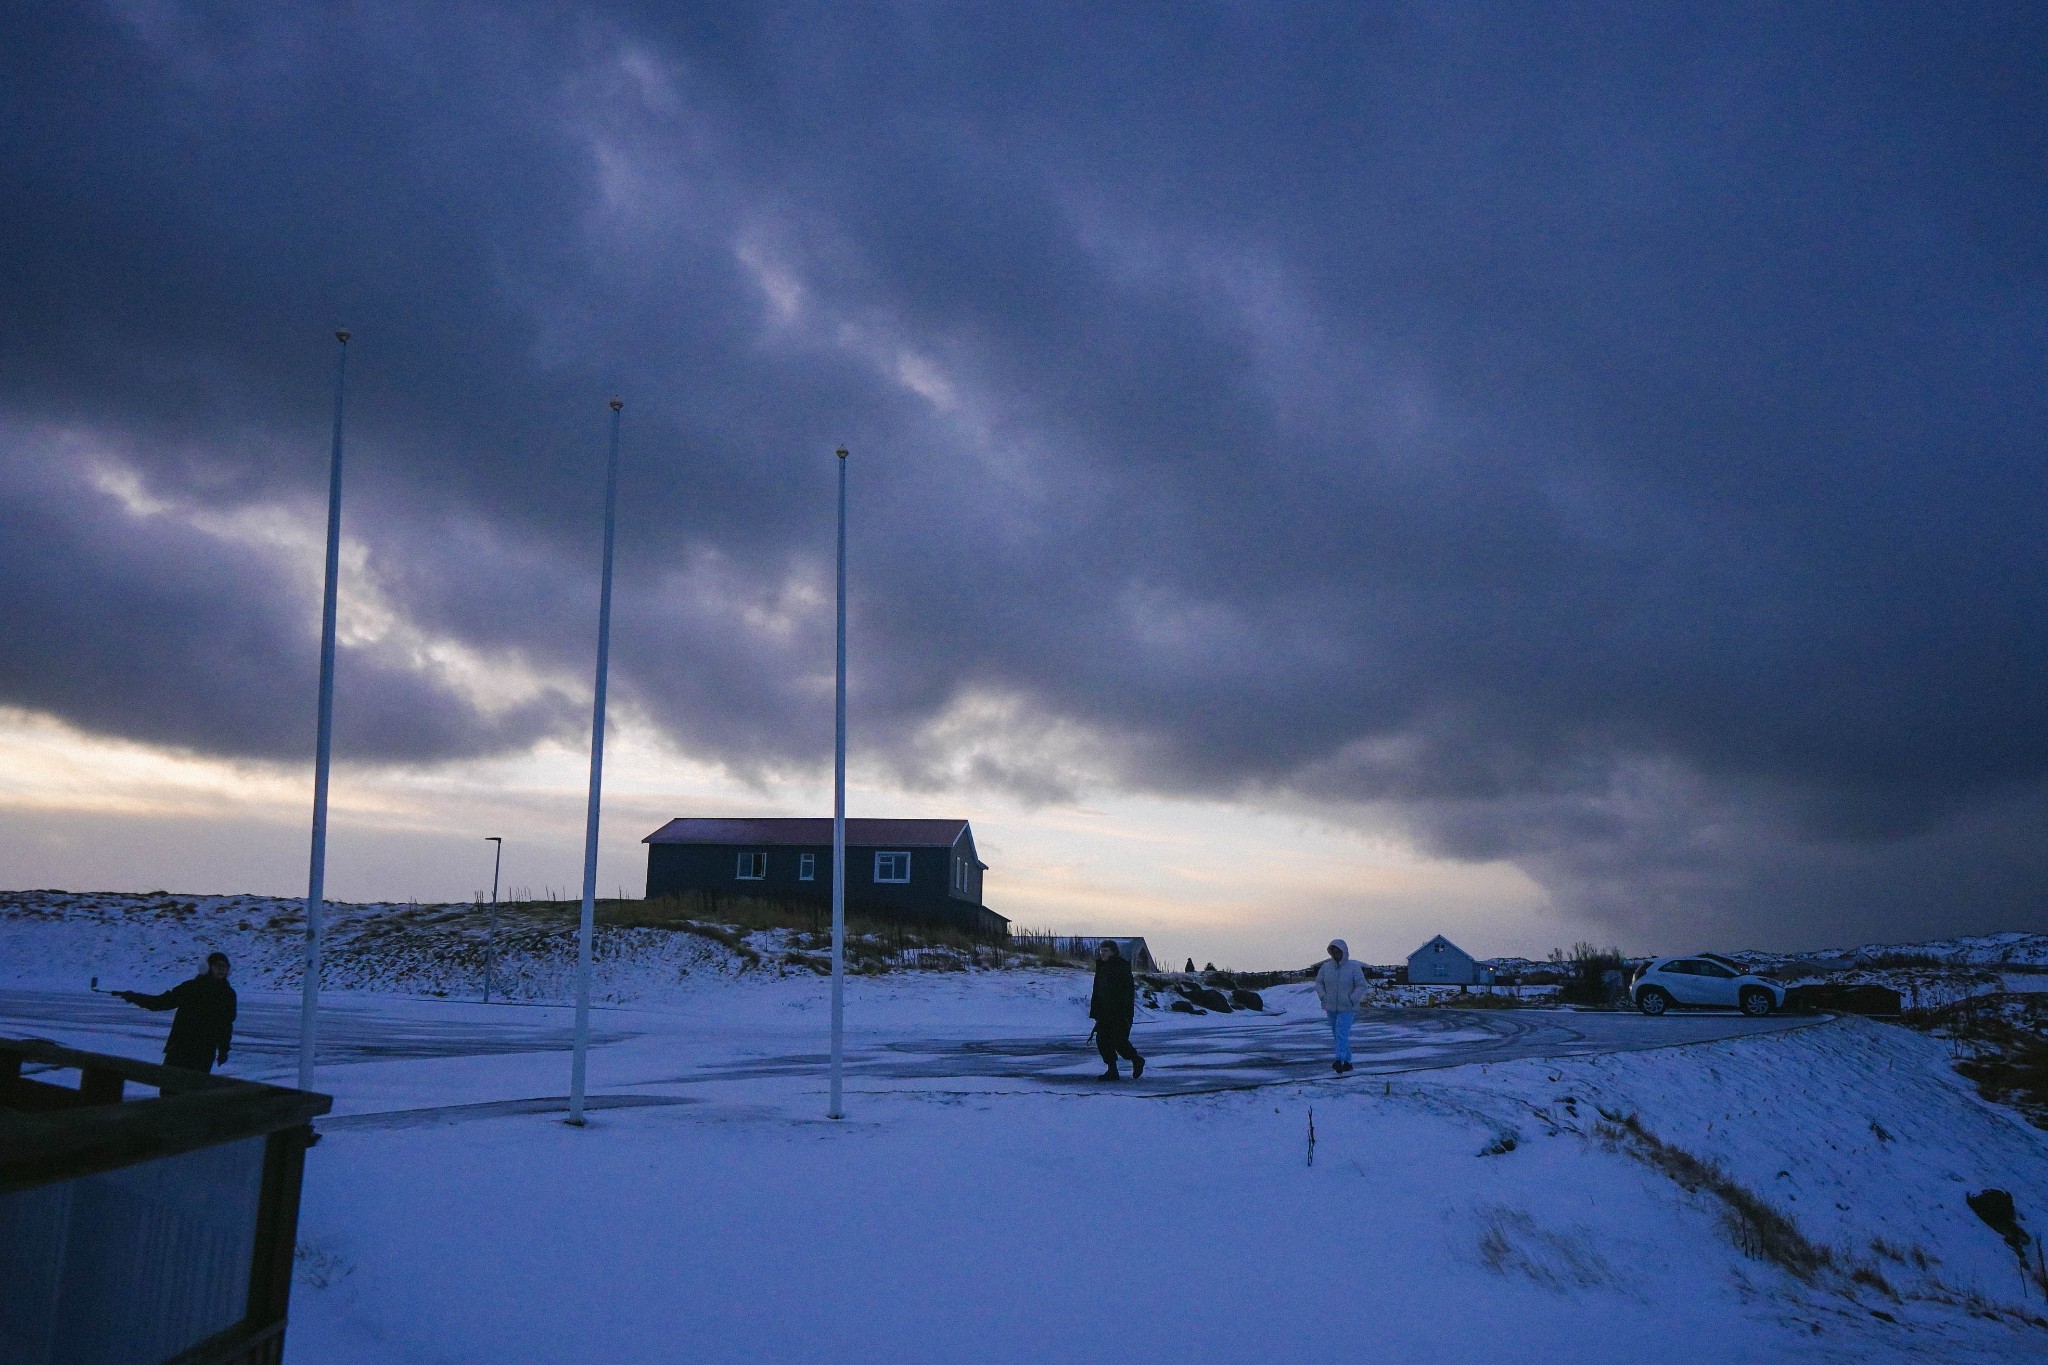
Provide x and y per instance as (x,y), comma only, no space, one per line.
(618,403)
(342,336)
(842,452)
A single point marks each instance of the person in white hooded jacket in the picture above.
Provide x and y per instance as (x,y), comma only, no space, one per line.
(1340,985)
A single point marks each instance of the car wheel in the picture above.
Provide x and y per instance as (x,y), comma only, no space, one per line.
(1653,1001)
(1756,1004)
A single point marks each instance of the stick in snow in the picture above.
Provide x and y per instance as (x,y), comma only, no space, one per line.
(1311,1136)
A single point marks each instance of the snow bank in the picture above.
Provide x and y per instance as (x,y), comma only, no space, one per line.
(1464,1209)
(1859,1132)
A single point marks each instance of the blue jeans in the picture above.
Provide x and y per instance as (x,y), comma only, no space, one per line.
(1340,1029)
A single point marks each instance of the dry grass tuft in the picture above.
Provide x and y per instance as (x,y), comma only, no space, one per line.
(1511,1243)
(1761,1231)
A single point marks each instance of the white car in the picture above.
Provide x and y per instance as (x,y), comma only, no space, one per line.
(1705,981)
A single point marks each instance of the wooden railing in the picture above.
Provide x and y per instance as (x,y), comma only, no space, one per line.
(95,1185)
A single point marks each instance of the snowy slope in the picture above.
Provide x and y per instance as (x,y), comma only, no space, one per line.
(61,940)
(2010,952)
(1026,1226)
(1971,950)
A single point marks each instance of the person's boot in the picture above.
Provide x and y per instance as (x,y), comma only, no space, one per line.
(1337,1067)
(1137,1068)
(1110,1075)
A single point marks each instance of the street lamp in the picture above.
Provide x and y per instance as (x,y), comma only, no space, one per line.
(491,933)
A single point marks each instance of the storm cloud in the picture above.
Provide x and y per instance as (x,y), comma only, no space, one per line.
(1606,440)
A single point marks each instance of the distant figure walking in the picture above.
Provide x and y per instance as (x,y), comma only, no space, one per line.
(1112,1006)
(205,1022)
(1340,985)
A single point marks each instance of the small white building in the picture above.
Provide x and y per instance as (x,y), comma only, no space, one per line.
(1441,962)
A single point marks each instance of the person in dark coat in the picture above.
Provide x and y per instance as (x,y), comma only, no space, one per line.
(205,1022)
(1112,1006)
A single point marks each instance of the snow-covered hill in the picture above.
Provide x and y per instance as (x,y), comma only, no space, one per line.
(2015,952)
(63,940)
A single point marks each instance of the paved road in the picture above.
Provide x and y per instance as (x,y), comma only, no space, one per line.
(1251,1050)
(1186,1056)
(350,1030)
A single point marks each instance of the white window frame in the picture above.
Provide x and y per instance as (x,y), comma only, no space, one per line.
(881,880)
(807,867)
(751,867)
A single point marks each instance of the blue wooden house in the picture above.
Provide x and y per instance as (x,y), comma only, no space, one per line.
(906,871)
(1441,962)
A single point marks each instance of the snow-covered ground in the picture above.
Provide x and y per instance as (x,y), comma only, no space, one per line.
(933,1225)
(985,1199)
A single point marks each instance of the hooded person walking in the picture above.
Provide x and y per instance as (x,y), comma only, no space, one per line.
(205,1021)
(1340,986)
(1112,1006)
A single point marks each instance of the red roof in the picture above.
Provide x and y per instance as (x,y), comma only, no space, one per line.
(808,830)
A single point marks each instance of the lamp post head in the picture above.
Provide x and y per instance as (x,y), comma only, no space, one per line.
(617,404)
(842,452)
(342,336)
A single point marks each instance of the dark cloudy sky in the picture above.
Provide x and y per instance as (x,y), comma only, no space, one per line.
(1606,440)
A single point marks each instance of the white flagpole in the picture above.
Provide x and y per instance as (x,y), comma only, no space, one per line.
(316,879)
(839,823)
(586,922)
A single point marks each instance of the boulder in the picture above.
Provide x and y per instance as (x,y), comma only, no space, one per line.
(1247,1000)
(2000,1214)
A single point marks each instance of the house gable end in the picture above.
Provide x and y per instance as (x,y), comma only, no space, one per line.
(1442,962)
(1440,946)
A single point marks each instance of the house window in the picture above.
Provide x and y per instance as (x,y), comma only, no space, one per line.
(807,867)
(892,867)
(753,867)
(959,874)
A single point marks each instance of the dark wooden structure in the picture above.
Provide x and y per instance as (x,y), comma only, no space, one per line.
(146,1231)
(1862,998)
(903,871)
(1081,948)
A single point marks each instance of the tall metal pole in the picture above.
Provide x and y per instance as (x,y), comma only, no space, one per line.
(839,821)
(316,879)
(491,931)
(585,924)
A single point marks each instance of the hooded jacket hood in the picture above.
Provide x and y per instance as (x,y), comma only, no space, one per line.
(1341,946)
